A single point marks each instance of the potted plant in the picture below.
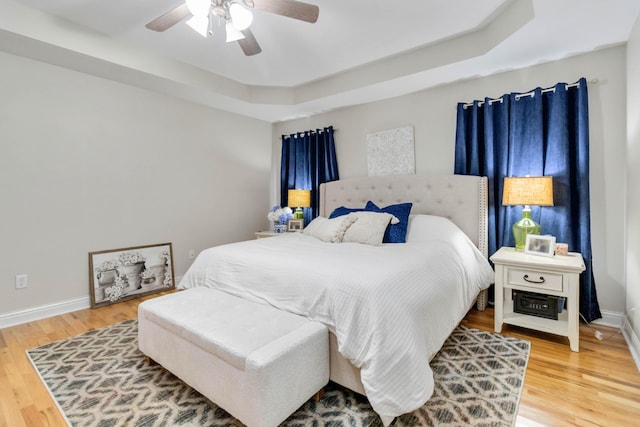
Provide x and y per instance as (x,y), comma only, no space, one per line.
(280,216)
(131,265)
(106,273)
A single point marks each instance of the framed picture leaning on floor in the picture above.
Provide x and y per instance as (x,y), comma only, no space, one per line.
(120,274)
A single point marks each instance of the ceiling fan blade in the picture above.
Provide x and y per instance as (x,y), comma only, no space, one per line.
(249,44)
(289,8)
(169,19)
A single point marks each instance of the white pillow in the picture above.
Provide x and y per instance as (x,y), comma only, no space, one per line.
(428,228)
(329,230)
(368,228)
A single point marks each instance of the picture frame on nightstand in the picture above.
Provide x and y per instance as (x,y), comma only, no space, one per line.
(295,225)
(540,245)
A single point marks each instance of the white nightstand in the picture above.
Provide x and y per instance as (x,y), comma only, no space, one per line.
(558,275)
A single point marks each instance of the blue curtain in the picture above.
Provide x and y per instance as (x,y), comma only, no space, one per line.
(542,132)
(308,160)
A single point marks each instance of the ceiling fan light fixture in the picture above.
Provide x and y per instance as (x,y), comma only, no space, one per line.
(240,16)
(232,33)
(201,14)
(198,7)
(200,24)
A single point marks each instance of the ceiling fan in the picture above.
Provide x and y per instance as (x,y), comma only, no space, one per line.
(236,15)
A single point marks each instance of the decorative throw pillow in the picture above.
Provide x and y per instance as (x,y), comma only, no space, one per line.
(342,210)
(328,230)
(368,227)
(395,233)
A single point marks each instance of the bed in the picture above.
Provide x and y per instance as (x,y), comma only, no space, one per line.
(389,307)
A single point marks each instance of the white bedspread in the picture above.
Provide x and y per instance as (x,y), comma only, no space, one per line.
(391,307)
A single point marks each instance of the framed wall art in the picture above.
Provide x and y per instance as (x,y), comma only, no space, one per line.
(120,274)
(391,152)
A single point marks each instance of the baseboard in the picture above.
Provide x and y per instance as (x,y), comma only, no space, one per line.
(36,313)
(614,319)
(13,318)
(617,320)
(633,342)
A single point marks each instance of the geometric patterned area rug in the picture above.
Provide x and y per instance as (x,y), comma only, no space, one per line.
(100,379)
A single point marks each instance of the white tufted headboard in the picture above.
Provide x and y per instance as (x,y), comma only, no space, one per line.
(461,198)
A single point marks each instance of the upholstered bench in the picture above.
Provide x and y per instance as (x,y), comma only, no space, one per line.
(258,363)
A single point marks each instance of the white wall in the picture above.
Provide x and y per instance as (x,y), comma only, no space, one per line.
(633,179)
(433,114)
(88,164)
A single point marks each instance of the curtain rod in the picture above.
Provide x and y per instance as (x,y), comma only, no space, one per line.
(313,131)
(532,93)
(321,130)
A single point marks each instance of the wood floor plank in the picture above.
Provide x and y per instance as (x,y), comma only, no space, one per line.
(10,414)
(32,417)
(599,386)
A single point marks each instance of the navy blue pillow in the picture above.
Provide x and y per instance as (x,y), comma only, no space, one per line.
(344,211)
(395,233)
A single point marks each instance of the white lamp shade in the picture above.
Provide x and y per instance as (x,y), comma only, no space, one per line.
(199,7)
(200,24)
(232,33)
(240,16)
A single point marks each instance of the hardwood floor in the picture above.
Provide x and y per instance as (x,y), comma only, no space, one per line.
(599,386)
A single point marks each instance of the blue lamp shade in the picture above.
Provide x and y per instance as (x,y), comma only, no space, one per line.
(299,199)
(527,191)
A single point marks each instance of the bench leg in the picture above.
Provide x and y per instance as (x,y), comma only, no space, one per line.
(319,395)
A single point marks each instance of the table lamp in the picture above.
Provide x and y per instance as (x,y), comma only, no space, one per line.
(299,199)
(527,191)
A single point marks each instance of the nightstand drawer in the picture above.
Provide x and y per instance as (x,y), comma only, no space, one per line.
(534,279)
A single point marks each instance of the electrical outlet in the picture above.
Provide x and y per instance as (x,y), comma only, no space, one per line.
(192,253)
(21,281)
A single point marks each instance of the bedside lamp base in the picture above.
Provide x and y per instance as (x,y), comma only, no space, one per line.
(523,227)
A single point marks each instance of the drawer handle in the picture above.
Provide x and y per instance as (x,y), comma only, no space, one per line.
(526,279)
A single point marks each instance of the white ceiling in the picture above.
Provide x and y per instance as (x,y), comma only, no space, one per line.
(358,51)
